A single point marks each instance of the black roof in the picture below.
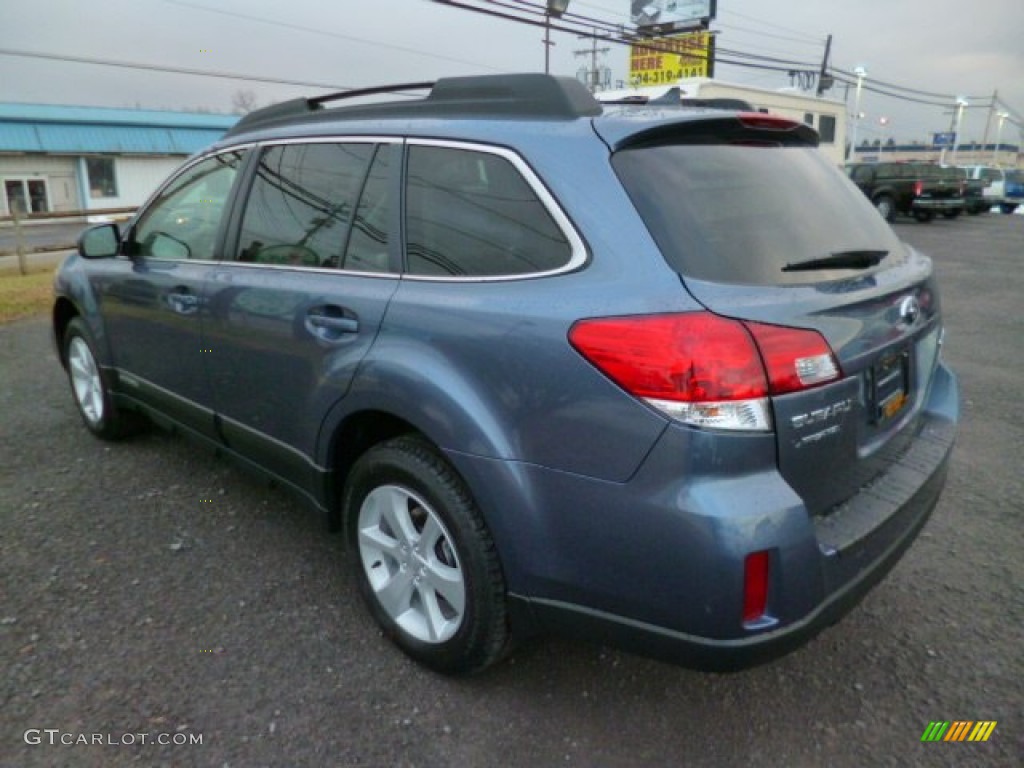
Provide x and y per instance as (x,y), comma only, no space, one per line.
(528,96)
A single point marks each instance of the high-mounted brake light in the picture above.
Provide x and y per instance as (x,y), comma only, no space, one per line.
(767,122)
(705,370)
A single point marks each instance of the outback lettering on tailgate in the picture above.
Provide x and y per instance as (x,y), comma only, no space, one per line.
(818,416)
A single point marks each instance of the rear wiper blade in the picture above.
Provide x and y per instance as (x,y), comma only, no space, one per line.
(860,259)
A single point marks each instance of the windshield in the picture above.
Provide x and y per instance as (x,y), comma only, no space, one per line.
(740,214)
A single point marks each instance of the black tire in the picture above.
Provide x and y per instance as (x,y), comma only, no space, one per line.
(924,216)
(90,386)
(452,629)
(1007,207)
(886,206)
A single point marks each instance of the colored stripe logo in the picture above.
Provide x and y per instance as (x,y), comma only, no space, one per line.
(959,730)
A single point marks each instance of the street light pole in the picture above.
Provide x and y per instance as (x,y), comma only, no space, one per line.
(554,8)
(882,122)
(861,73)
(961,102)
(999,136)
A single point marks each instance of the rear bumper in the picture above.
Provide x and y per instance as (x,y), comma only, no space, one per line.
(937,204)
(655,565)
(854,572)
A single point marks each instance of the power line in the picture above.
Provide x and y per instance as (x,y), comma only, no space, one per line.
(916,91)
(762,22)
(761,33)
(616,34)
(328,33)
(172,70)
(619,35)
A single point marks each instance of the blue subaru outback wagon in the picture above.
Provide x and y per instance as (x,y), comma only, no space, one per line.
(653,376)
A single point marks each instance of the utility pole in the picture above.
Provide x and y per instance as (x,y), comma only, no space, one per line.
(822,85)
(593,72)
(554,8)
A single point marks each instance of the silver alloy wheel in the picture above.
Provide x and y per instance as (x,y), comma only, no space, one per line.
(410,563)
(85,380)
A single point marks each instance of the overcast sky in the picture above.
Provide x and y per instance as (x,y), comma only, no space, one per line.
(950,47)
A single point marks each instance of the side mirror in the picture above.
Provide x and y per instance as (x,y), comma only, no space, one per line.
(100,242)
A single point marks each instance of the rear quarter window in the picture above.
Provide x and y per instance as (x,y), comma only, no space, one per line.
(472,214)
(739,214)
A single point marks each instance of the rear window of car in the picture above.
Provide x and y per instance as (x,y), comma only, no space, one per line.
(739,214)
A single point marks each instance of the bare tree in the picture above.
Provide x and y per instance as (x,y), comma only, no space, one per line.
(243,102)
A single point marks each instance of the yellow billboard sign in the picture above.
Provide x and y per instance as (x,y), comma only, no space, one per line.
(661,60)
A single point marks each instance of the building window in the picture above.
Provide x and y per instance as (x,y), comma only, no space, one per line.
(827,128)
(26,196)
(102,182)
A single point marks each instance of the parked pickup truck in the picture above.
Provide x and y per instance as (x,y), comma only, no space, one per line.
(920,190)
(1002,187)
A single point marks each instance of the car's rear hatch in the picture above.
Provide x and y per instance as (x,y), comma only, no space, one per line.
(761,228)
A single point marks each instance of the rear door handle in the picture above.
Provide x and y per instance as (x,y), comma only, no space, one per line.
(182,301)
(340,324)
(331,322)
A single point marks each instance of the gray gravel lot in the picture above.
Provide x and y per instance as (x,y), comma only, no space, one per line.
(149,587)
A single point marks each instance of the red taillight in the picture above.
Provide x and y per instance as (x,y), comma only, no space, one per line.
(756,570)
(703,369)
(918,188)
(687,358)
(796,358)
(767,122)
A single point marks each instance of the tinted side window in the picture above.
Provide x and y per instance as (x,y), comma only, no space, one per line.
(862,173)
(368,242)
(184,219)
(472,214)
(300,206)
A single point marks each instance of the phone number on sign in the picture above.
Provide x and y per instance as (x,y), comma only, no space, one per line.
(657,77)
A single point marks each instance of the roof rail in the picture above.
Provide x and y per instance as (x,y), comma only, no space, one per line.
(354,92)
(522,95)
(302,106)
